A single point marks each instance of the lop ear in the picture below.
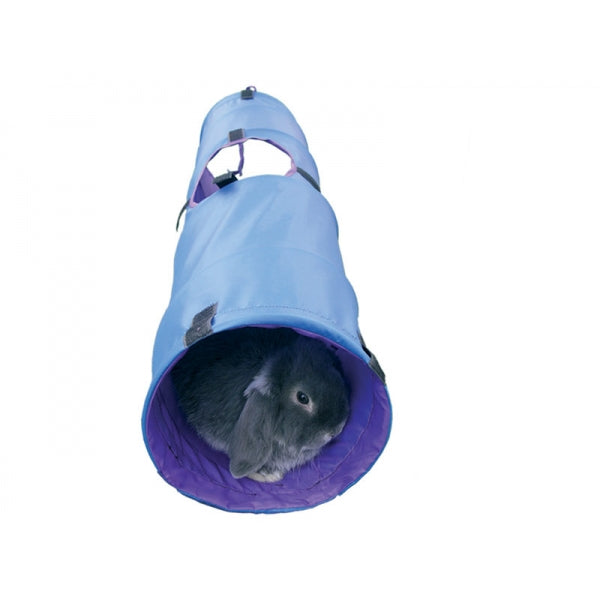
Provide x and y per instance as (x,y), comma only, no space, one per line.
(251,442)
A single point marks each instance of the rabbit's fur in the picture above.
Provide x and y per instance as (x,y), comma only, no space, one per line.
(268,397)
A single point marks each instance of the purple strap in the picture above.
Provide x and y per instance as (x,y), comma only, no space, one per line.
(241,164)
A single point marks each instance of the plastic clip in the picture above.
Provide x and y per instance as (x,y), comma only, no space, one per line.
(235,135)
(222,180)
(248,93)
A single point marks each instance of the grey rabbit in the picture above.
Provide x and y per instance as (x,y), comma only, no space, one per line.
(268,397)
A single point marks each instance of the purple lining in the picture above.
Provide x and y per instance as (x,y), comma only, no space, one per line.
(202,473)
(206,186)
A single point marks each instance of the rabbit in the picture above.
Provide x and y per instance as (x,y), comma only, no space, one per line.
(270,398)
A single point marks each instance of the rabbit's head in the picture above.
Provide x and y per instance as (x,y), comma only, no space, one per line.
(296,403)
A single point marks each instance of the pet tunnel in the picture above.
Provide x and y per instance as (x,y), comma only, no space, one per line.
(261,251)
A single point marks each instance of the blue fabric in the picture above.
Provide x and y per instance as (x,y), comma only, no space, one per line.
(263,118)
(263,263)
(262,251)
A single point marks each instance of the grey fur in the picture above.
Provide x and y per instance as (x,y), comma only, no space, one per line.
(244,393)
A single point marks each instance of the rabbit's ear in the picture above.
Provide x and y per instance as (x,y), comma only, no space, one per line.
(251,442)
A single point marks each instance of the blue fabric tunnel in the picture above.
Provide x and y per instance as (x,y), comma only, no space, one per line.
(261,251)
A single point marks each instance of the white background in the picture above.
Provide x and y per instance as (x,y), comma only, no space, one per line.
(459,144)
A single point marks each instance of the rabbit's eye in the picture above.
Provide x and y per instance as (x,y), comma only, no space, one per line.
(302,398)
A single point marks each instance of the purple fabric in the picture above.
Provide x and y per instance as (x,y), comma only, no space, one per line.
(200,472)
(206,186)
